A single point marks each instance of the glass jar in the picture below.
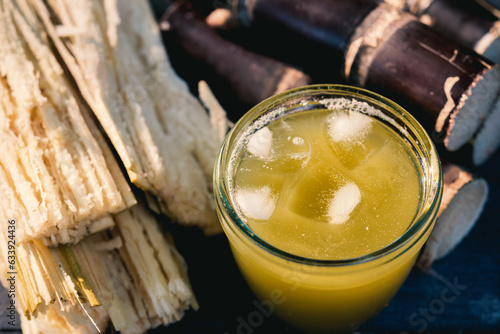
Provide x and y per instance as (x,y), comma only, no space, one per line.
(333,296)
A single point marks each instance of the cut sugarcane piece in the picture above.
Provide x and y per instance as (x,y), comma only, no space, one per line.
(400,57)
(477,26)
(56,178)
(467,22)
(228,60)
(323,28)
(449,86)
(464,196)
(158,128)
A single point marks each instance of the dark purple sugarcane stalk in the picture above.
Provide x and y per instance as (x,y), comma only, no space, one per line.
(389,51)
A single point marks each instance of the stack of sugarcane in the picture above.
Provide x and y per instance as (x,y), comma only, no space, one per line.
(76,77)
(447,85)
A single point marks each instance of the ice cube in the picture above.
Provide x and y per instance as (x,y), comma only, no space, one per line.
(343,203)
(260,143)
(313,191)
(291,150)
(256,203)
(281,145)
(354,138)
(348,125)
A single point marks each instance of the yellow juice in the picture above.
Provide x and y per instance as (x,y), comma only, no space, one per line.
(310,190)
(327,204)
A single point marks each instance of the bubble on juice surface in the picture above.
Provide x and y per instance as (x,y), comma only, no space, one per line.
(256,203)
(260,143)
(343,203)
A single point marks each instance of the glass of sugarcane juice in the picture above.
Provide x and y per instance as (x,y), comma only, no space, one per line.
(326,194)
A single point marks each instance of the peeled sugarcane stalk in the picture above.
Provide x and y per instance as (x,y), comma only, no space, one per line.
(60,183)
(475,26)
(58,179)
(132,276)
(228,60)
(464,196)
(390,51)
(55,321)
(161,132)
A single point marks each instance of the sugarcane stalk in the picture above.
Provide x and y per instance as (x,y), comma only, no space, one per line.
(477,26)
(467,22)
(326,22)
(402,58)
(391,52)
(228,60)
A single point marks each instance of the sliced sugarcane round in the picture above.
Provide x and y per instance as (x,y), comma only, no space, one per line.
(251,76)
(463,200)
(394,54)
(487,140)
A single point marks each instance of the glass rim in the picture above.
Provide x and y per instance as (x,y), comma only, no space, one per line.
(419,225)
